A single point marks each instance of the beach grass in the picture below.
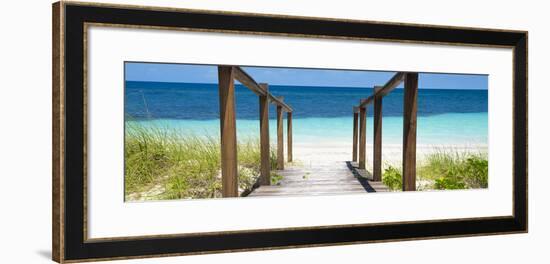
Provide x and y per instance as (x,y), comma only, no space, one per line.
(445,169)
(163,164)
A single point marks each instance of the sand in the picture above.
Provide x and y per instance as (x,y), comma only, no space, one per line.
(318,154)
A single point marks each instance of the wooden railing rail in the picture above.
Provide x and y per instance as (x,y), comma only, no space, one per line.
(279,102)
(410,107)
(247,81)
(228,129)
(386,88)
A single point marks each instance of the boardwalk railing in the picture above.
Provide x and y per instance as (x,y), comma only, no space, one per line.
(228,129)
(409,128)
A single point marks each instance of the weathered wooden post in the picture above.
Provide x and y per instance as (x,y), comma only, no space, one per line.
(289,136)
(355,132)
(265,164)
(228,131)
(362,135)
(280,146)
(409,131)
(377,140)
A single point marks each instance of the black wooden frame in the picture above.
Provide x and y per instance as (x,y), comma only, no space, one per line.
(74,246)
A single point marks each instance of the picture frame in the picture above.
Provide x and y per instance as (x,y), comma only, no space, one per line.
(69,77)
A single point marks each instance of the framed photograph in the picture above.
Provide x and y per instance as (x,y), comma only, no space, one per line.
(182,131)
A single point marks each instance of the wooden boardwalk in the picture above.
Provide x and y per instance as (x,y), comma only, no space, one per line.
(331,177)
(327,179)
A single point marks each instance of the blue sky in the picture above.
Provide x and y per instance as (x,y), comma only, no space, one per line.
(300,77)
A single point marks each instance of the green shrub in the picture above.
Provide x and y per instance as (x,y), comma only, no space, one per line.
(446,183)
(476,170)
(392,178)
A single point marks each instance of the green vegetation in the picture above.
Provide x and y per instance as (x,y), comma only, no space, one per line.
(445,170)
(454,170)
(392,178)
(180,166)
(276,178)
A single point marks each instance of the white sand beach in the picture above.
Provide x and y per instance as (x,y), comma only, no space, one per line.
(316,154)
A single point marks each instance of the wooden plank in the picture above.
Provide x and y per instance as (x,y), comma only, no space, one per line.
(301,193)
(328,179)
(318,187)
(228,131)
(265,164)
(240,75)
(409,131)
(377,140)
(301,175)
(289,136)
(362,136)
(355,133)
(386,89)
(280,144)
(322,180)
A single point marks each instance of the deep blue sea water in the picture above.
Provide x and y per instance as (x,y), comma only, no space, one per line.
(146,100)
(444,116)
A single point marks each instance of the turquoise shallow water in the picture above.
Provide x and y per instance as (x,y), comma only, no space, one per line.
(441,129)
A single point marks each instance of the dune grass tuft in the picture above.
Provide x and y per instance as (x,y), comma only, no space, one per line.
(445,170)
(181,166)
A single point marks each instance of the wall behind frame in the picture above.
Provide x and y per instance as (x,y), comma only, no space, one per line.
(25,137)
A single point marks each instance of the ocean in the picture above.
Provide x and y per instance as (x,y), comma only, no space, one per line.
(321,114)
